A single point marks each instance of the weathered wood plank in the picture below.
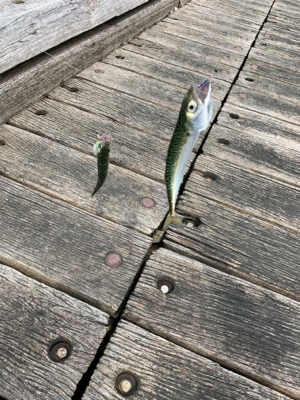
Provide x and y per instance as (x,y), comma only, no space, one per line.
(239,244)
(209,64)
(162,40)
(245,191)
(271,104)
(166,371)
(24,84)
(276,58)
(33,316)
(239,9)
(30,27)
(133,149)
(247,328)
(262,151)
(172,74)
(150,118)
(166,32)
(190,12)
(66,248)
(274,88)
(277,44)
(71,176)
(137,84)
(216,28)
(274,72)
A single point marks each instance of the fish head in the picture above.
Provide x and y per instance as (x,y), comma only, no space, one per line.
(101,140)
(197,106)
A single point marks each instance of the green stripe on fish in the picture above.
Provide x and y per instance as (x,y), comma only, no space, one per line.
(102,151)
(194,116)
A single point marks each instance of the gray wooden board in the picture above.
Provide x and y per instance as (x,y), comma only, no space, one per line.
(66,247)
(161,40)
(167,371)
(235,32)
(194,38)
(253,148)
(205,62)
(286,39)
(169,73)
(271,71)
(190,12)
(275,57)
(25,83)
(76,128)
(268,85)
(283,32)
(136,113)
(249,329)
(71,176)
(141,86)
(270,104)
(241,11)
(277,44)
(30,27)
(246,191)
(238,243)
(33,316)
(251,6)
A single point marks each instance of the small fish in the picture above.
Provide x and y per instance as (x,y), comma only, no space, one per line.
(194,116)
(101,149)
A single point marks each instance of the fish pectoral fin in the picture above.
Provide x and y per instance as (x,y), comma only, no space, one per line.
(172,218)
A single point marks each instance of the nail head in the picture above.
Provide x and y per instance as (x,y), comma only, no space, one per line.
(113,259)
(242,95)
(224,71)
(238,48)
(254,66)
(223,141)
(216,87)
(99,71)
(147,202)
(165,285)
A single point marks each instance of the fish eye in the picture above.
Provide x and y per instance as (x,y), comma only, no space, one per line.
(192,106)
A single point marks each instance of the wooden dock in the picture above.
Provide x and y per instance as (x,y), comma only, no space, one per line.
(96,302)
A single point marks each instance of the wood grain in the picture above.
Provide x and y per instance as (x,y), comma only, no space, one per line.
(33,316)
(189,61)
(150,88)
(261,150)
(162,40)
(166,371)
(276,58)
(169,73)
(246,191)
(270,104)
(272,71)
(252,14)
(136,113)
(45,24)
(192,11)
(133,149)
(27,82)
(65,247)
(194,38)
(240,325)
(237,243)
(70,175)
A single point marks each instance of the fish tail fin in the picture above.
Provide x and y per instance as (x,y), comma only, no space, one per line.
(172,217)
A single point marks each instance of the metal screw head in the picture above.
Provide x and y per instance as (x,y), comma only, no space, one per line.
(191,222)
(60,351)
(126,383)
(165,285)
(147,202)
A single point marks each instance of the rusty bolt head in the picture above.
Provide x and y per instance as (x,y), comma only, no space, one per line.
(60,351)
(126,383)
